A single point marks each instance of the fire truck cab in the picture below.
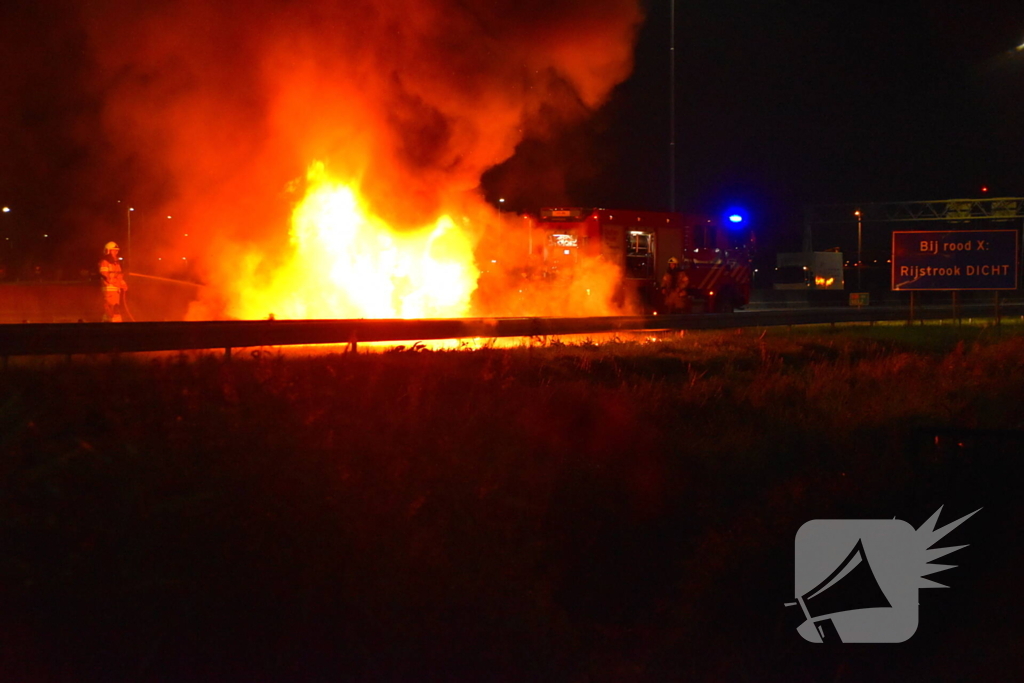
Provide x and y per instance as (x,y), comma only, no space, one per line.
(715,259)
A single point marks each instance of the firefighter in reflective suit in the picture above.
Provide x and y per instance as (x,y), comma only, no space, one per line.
(673,288)
(112,281)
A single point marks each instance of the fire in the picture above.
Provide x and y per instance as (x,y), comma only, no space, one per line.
(408,103)
(347,262)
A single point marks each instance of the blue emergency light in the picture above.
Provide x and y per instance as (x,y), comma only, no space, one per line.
(735,216)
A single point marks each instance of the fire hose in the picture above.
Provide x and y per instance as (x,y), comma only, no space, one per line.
(124,304)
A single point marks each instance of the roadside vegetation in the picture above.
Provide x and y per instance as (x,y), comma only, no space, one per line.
(614,511)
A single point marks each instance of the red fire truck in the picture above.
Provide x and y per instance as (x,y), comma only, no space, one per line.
(715,258)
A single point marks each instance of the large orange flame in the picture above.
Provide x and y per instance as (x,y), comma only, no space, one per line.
(349,263)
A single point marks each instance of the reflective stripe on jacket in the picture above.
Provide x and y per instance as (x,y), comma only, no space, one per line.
(110,275)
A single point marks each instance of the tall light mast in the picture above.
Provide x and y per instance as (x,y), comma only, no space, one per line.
(672,107)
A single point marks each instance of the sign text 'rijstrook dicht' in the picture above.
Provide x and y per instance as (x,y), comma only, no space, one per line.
(954,260)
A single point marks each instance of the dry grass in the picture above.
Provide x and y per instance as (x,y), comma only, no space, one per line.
(616,511)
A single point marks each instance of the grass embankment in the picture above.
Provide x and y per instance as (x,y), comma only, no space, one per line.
(613,512)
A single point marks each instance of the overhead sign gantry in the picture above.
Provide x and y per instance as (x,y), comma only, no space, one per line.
(949,210)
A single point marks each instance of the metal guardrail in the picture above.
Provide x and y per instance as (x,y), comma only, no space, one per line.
(34,339)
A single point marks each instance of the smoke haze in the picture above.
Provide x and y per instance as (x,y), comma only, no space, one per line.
(211,112)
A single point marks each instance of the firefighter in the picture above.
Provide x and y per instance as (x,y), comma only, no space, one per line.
(112,281)
(673,288)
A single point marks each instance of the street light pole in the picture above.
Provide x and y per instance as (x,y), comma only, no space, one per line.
(6,246)
(860,265)
(672,109)
(128,261)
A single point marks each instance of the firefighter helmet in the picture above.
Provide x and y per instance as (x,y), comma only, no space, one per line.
(110,246)
(673,260)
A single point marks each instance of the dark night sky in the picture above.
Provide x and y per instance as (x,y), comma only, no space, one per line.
(779,104)
(782,104)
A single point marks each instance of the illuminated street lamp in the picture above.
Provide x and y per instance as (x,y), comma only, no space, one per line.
(128,261)
(859,265)
(128,257)
(7,209)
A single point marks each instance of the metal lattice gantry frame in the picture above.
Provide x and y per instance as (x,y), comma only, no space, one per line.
(937,210)
(947,210)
